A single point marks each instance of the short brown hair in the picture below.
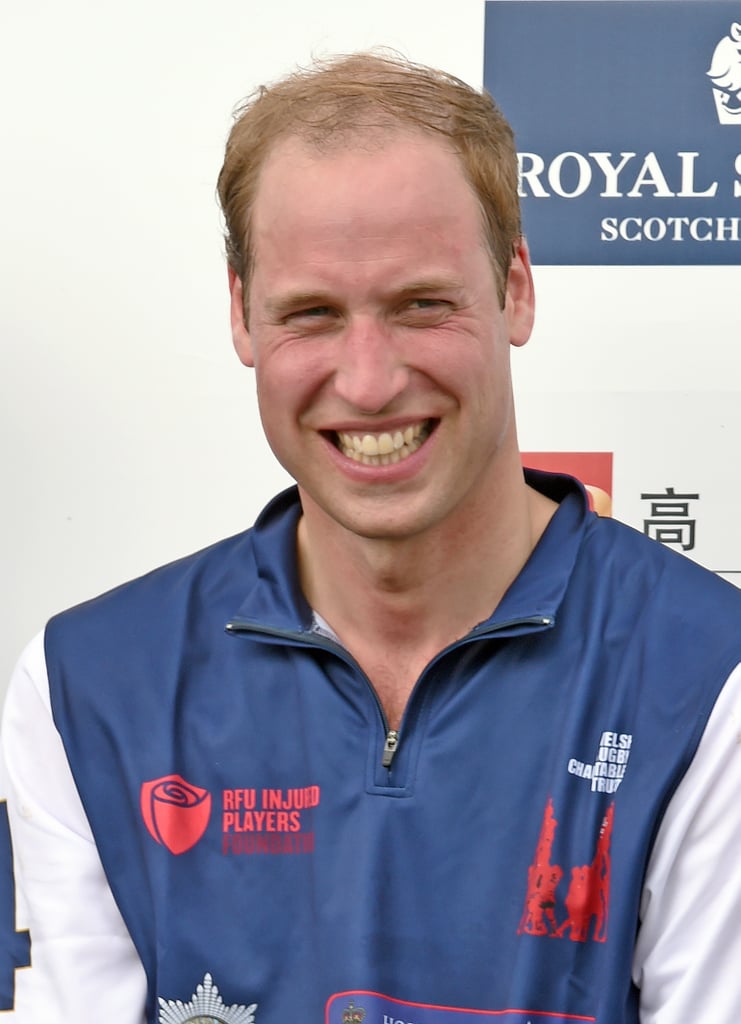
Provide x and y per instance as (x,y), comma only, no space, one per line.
(347,96)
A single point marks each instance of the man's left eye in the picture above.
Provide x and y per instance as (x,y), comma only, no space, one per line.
(424,311)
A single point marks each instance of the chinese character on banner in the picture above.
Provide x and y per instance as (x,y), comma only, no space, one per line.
(670,521)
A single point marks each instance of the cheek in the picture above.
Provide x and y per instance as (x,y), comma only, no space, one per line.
(287,378)
(469,365)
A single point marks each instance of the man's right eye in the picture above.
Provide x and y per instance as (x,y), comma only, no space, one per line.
(311,318)
(313,312)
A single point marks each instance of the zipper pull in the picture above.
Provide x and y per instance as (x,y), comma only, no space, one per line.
(390,747)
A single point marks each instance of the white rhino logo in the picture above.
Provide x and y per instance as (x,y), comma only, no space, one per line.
(725,74)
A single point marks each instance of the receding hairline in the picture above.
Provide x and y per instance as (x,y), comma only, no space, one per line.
(365,138)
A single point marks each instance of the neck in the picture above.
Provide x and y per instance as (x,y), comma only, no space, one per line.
(418,594)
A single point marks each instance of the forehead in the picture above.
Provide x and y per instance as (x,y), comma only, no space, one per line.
(386,175)
(393,165)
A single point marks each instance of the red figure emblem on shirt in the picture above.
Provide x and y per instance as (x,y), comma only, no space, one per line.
(539,916)
(175,812)
(588,895)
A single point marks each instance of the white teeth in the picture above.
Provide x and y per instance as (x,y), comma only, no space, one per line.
(386,448)
(385,444)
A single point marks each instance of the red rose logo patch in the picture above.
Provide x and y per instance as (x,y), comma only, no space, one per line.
(175,812)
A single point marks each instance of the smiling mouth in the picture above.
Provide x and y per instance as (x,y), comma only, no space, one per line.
(386,447)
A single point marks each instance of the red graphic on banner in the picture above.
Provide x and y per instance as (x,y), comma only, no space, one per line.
(588,896)
(593,469)
(175,812)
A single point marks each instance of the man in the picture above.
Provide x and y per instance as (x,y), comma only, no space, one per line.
(432,742)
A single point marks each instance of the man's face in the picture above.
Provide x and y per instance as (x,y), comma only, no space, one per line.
(381,353)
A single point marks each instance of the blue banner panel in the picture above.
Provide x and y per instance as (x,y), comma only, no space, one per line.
(628,122)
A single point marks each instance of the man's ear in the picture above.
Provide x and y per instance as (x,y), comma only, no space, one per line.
(240,335)
(519,302)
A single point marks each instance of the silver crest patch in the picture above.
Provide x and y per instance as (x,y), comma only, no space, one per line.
(206,1007)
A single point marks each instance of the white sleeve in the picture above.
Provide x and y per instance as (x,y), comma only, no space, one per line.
(84,966)
(688,955)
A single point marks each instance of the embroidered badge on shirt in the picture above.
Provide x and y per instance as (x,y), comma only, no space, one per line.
(206,1007)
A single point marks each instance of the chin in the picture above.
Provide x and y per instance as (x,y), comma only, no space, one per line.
(380,520)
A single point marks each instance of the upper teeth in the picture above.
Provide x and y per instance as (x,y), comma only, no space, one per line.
(398,445)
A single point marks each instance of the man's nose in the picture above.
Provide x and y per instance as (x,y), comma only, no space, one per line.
(371,372)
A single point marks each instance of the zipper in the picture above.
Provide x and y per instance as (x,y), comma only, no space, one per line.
(389,748)
(307,639)
(325,643)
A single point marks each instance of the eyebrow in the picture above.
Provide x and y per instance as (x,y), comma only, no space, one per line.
(429,284)
(278,306)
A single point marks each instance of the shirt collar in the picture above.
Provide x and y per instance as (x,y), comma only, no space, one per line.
(276,600)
